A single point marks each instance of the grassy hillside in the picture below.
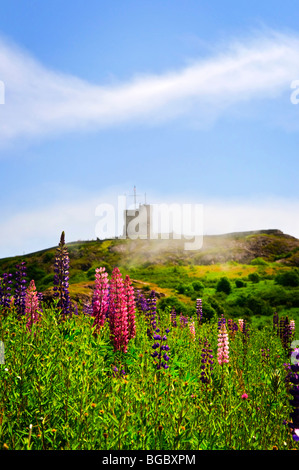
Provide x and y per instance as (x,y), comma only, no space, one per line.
(251,261)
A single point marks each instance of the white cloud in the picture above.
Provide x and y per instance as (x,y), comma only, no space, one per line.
(39,101)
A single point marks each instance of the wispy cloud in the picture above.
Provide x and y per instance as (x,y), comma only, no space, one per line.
(39,101)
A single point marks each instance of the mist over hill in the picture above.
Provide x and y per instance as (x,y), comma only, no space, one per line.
(85,256)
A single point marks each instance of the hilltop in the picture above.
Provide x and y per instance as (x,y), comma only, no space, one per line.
(270,246)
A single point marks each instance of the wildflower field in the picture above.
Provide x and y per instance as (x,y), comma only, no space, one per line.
(121,374)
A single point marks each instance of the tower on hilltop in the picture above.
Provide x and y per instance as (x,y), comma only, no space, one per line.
(137,221)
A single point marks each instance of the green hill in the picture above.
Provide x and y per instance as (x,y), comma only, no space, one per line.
(270,246)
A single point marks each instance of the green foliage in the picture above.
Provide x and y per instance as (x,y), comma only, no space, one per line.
(59,391)
(224,285)
(254,277)
(198,286)
(239,283)
(173,302)
(35,272)
(259,262)
(288,278)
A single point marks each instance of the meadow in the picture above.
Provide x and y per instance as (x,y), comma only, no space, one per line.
(129,372)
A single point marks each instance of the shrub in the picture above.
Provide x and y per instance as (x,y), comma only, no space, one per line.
(289,278)
(259,262)
(239,283)
(223,285)
(198,286)
(254,277)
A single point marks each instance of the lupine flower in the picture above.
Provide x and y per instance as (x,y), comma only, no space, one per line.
(285,333)
(221,321)
(20,289)
(183,320)
(118,314)
(130,299)
(141,302)
(5,291)
(199,309)
(245,331)
(87,309)
(152,313)
(292,327)
(173,317)
(119,373)
(223,346)
(161,349)
(206,362)
(100,298)
(276,323)
(152,304)
(61,279)
(241,323)
(192,329)
(32,308)
(294,402)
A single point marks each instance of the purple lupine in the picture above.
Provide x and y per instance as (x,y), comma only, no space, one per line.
(276,323)
(87,309)
(199,309)
(294,391)
(183,320)
(221,321)
(173,318)
(292,328)
(206,362)
(287,336)
(141,302)
(61,279)
(152,304)
(5,291)
(152,314)
(20,289)
(232,328)
(161,348)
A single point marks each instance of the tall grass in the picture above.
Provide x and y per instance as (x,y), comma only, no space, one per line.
(63,387)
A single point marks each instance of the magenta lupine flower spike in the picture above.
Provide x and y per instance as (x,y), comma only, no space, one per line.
(223,346)
(130,299)
(32,308)
(118,314)
(100,298)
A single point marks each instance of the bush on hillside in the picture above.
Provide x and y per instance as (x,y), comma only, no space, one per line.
(223,285)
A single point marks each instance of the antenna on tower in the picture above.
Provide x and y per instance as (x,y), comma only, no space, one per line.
(135,196)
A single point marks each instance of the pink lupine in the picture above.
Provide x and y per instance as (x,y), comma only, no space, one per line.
(192,329)
(223,346)
(32,308)
(118,313)
(241,324)
(100,298)
(130,299)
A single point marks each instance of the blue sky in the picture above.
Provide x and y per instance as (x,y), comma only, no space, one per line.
(187,100)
